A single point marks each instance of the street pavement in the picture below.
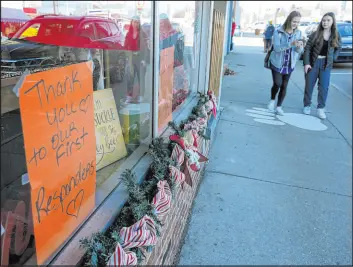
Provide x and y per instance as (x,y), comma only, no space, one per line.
(277,189)
(341,78)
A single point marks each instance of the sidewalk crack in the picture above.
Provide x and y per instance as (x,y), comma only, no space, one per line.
(278,183)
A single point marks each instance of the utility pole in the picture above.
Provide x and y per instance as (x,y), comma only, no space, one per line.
(276,13)
(55,7)
(343,9)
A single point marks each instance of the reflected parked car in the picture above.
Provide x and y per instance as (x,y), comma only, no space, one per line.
(3,38)
(51,40)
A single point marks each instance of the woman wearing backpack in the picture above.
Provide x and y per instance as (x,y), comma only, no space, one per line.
(322,48)
(287,46)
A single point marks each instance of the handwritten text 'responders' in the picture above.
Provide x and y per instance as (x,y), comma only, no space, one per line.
(64,199)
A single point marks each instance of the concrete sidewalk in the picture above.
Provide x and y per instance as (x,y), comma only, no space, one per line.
(276,190)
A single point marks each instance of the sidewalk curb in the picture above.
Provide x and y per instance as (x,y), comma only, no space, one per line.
(344,93)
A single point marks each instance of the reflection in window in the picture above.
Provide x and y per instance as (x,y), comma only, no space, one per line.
(88,31)
(30,31)
(121,77)
(179,55)
(103,30)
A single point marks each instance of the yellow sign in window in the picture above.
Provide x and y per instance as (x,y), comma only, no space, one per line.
(31,31)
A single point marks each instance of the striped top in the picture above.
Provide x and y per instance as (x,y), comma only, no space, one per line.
(286,68)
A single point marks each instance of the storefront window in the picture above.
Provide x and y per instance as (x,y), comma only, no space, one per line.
(98,51)
(179,43)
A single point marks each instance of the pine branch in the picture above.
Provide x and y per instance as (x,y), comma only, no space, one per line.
(99,247)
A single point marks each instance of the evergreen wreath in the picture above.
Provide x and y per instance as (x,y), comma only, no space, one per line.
(100,246)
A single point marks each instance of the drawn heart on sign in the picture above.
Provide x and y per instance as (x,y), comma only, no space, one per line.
(84,103)
(76,203)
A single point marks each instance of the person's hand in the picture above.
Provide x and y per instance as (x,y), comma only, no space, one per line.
(300,44)
(307,68)
(294,43)
(143,63)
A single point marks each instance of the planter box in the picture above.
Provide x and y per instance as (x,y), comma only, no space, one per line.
(166,251)
(169,243)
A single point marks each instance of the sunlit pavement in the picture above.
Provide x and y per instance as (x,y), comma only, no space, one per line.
(277,190)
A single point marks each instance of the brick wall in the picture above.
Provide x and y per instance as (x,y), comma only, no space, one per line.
(169,244)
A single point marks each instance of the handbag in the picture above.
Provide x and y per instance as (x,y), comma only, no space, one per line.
(267,63)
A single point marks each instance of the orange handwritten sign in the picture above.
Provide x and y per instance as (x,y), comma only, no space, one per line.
(59,136)
(165,92)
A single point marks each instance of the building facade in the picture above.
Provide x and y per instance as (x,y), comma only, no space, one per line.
(84,91)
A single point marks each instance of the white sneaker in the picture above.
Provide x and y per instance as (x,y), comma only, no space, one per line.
(321,113)
(271,105)
(307,110)
(280,111)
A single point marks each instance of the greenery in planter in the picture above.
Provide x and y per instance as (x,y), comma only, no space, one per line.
(100,246)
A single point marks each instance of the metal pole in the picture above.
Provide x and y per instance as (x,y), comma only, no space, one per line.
(343,9)
(275,20)
(54,7)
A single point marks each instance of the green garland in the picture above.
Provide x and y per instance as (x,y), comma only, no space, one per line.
(100,246)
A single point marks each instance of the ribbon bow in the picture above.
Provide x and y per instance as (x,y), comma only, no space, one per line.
(212,103)
(162,200)
(121,257)
(189,145)
(140,234)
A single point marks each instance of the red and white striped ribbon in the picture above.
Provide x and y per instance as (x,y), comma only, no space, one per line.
(178,155)
(196,138)
(162,200)
(140,234)
(121,257)
(177,176)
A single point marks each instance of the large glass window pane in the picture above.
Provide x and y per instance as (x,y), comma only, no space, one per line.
(114,37)
(179,54)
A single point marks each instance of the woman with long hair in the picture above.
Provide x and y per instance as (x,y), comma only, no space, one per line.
(287,46)
(320,51)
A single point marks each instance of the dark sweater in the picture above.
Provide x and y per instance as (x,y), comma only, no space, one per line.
(312,51)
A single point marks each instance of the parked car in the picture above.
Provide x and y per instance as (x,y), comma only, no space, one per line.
(345,30)
(309,30)
(259,26)
(237,31)
(3,38)
(51,40)
(302,27)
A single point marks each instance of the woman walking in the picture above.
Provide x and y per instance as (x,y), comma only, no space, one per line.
(321,49)
(287,46)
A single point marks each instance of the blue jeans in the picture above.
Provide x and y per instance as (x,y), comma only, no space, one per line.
(318,71)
